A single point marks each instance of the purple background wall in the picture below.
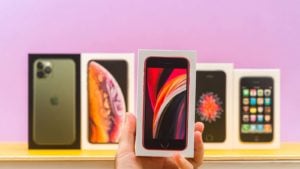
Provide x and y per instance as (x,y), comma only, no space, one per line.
(256,33)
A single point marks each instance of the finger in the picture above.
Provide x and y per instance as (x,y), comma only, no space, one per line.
(198,149)
(181,162)
(199,126)
(126,143)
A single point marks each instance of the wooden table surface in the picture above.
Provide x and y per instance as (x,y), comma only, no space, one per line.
(19,152)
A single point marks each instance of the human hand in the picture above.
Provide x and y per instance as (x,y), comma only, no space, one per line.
(126,159)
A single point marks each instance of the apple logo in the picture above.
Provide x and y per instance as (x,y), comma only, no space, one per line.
(54,101)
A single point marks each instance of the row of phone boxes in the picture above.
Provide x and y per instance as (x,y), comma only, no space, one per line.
(59,115)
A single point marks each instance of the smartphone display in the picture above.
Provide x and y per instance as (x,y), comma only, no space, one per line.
(256,109)
(107,100)
(166,91)
(54,102)
(211,104)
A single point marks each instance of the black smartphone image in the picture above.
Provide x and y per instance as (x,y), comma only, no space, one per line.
(107,100)
(166,90)
(211,104)
(256,109)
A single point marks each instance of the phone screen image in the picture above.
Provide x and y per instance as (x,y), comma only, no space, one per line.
(107,100)
(211,104)
(165,103)
(256,109)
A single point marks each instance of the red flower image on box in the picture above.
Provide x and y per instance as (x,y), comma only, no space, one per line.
(209,107)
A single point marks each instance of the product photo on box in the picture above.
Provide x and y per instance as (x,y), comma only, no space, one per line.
(257,108)
(107,94)
(54,101)
(165,103)
(213,101)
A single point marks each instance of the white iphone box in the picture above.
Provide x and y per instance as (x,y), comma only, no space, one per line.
(257,108)
(214,98)
(165,103)
(107,93)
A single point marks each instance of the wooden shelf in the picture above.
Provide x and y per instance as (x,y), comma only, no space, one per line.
(19,152)
(287,151)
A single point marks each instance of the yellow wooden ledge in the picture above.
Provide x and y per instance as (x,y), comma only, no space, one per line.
(287,151)
(19,152)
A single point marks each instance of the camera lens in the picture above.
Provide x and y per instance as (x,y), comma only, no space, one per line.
(48,69)
(40,74)
(40,65)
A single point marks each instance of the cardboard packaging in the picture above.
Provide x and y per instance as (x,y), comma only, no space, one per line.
(140,149)
(54,101)
(107,94)
(270,108)
(214,89)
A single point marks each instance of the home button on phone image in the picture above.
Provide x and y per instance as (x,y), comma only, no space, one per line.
(164,144)
(209,137)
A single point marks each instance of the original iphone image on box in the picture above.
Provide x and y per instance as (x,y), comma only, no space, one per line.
(107,100)
(256,109)
(54,104)
(165,103)
(211,104)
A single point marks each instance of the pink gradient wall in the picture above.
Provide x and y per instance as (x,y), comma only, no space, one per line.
(254,33)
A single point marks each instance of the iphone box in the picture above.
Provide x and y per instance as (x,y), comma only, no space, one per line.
(213,102)
(257,108)
(107,94)
(54,101)
(165,103)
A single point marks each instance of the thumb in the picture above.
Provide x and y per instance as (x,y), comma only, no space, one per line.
(181,162)
(126,143)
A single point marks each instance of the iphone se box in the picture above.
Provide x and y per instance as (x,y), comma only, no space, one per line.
(107,94)
(165,103)
(213,101)
(257,108)
(54,101)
